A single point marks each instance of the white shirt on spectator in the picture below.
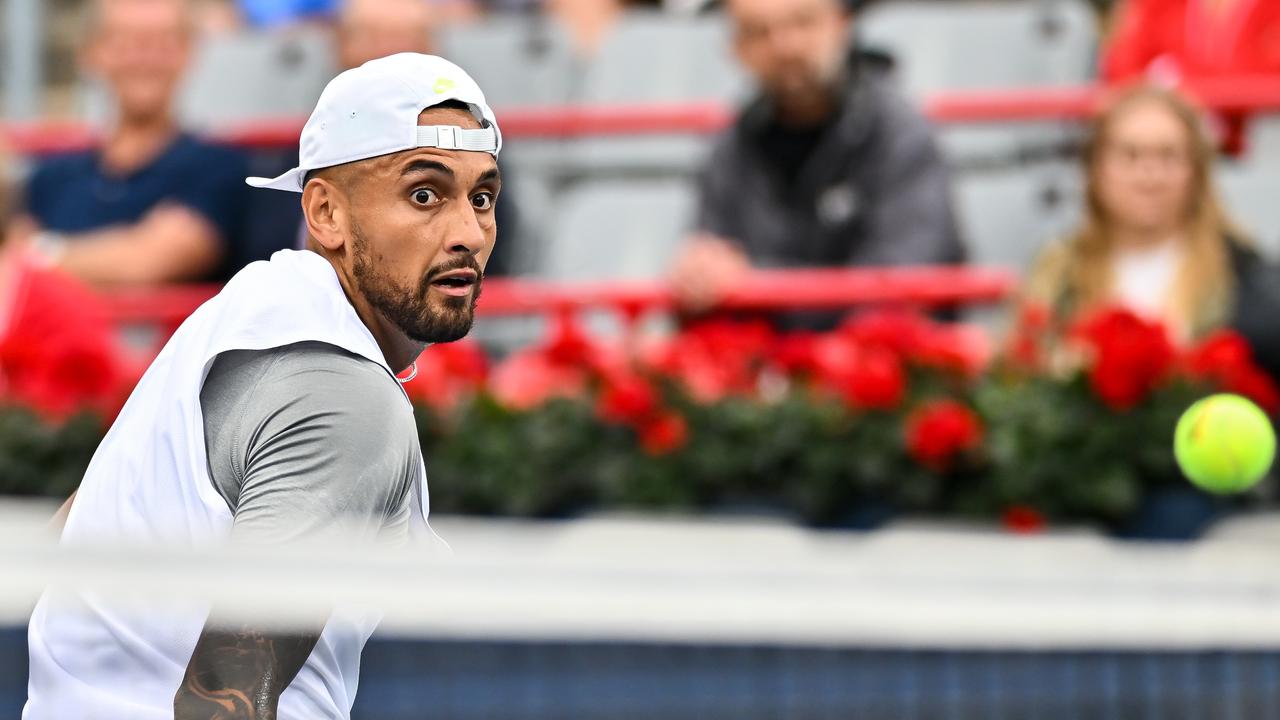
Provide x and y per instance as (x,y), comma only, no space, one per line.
(1143,278)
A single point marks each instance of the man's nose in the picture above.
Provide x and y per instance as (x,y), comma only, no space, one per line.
(466,235)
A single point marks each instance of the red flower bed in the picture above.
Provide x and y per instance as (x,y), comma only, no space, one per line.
(58,353)
(940,431)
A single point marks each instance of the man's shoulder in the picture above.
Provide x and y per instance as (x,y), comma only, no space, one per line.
(324,377)
(318,361)
(876,91)
(63,166)
(192,151)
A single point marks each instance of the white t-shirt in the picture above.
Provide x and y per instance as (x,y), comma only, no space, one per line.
(149,483)
(1143,278)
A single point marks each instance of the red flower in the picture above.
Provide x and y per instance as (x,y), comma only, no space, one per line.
(664,434)
(876,380)
(897,331)
(715,359)
(626,399)
(1218,355)
(528,379)
(956,348)
(1026,342)
(1023,519)
(1131,356)
(794,353)
(1225,359)
(568,345)
(1257,386)
(447,373)
(58,351)
(940,430)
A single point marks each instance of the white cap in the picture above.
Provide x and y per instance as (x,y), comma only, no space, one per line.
(373,110)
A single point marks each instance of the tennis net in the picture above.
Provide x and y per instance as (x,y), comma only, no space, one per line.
(642,618)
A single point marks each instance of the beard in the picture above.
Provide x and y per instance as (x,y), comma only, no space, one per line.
(410,308)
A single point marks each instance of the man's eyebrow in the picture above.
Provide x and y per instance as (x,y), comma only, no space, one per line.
(490,175)
(421,166)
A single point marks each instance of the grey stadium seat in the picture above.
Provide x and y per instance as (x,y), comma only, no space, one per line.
(1007,216)
(951,45)
(619,229)
(256,75)
(654,57)
(519,60)
(1250,192)
(983,44)
(647,58)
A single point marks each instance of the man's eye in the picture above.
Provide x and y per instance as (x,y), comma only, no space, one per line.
(424,196)
(483,201)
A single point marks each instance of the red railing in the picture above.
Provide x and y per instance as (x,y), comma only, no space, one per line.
(165,308)
(1249,94)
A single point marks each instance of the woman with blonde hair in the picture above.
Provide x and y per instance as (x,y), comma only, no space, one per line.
(1155,238)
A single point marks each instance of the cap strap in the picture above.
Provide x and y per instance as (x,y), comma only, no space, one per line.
(452,137)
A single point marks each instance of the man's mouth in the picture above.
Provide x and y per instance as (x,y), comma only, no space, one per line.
(457,283)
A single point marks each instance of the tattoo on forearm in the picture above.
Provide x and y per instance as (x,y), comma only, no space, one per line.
(239,674)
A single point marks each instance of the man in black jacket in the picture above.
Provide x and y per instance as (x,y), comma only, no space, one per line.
(829,167)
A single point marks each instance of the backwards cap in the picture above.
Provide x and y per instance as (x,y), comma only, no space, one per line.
(373,110)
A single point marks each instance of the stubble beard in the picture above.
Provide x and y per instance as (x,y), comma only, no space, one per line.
(410,309)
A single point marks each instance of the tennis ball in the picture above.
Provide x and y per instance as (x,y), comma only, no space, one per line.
(1224,444)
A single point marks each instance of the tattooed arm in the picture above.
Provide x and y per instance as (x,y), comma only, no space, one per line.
(304,442)
(238,674)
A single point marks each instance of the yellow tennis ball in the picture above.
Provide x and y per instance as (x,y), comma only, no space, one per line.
(1224,444)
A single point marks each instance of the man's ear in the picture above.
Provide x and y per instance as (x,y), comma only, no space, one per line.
(324,208)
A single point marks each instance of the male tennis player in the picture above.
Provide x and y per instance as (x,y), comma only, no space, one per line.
(274,411)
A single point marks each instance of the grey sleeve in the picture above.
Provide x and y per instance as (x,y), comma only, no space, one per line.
(912,219)
(308,438)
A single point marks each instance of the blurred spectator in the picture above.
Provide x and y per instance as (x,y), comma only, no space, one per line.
(151,204)
(1169,40)
(370,29)
(587,21)
(829,166)
(1193,38)
(272,13)
(1155,239)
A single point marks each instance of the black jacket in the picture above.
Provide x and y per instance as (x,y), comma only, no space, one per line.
(1256,306)
(874,191)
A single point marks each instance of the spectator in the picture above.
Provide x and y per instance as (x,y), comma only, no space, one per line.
(151,204)
(1170,40)
(829,166)
(370,29)
(1155,238)
(273,13)
(1193,38)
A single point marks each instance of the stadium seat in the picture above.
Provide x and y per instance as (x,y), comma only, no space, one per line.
(1263,144)
(256,75)
(1249,191)
(949,45)
(695,64)
(1007,216)
(619,229)
(943,45)
(652,57)
(519,60)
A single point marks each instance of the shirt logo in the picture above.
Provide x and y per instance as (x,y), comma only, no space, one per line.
(838,204)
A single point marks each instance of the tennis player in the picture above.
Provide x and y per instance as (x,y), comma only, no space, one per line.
(274,412)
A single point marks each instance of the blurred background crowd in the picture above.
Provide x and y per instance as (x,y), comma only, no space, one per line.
(1120,159)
